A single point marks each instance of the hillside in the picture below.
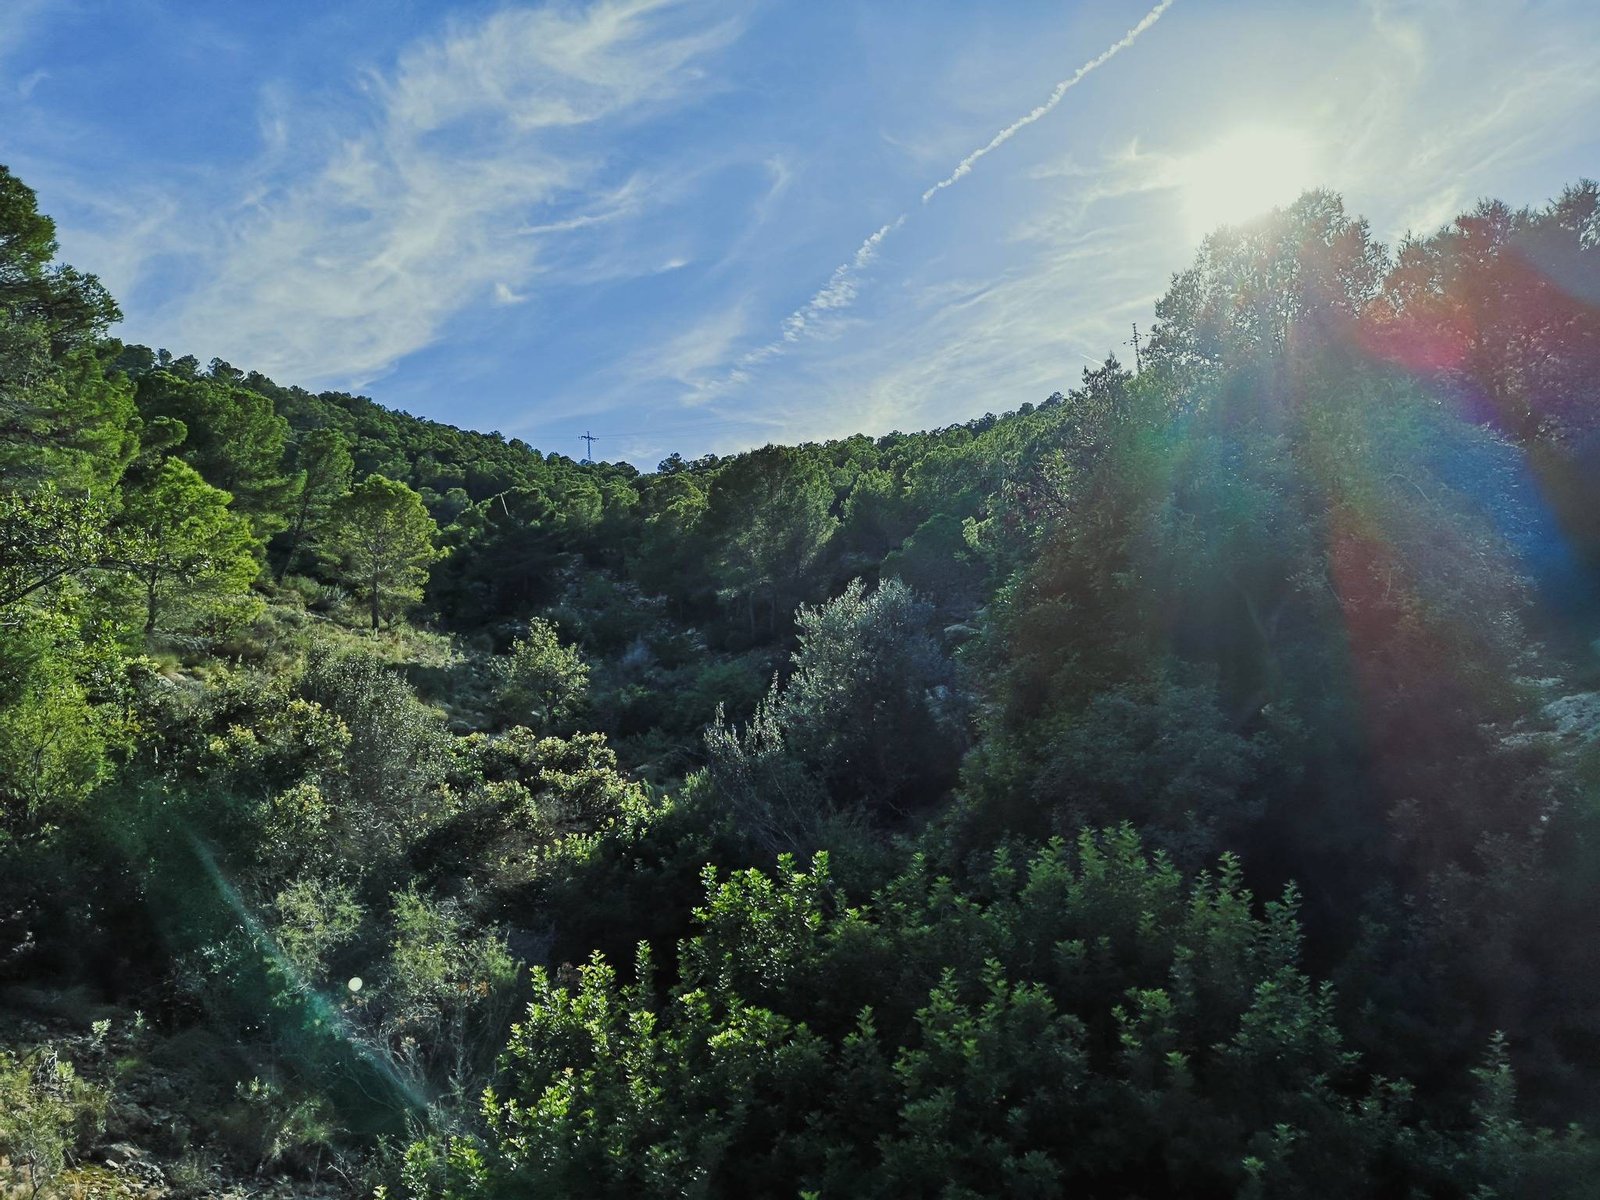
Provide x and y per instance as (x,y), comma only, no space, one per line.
(1183,784)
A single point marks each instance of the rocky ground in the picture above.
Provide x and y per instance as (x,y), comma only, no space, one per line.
(173,1115)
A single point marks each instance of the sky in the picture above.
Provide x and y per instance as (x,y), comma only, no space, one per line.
(699,226)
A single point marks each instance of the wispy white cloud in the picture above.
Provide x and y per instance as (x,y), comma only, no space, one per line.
(491,185)
(1446,101)
(478,149)
(128,231)
(807,321)
(643,422)
(779,176)
(687,355)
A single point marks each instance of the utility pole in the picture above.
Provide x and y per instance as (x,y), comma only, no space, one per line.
(588,440)
(1137,366)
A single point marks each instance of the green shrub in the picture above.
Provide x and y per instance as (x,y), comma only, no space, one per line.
(267,1127)
(543,682)
(47,1114)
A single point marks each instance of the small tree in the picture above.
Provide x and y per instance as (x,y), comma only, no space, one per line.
(769,514)
(179,535)
(62,420)
(447,996)
(543,681)
(396,756)
(384,535)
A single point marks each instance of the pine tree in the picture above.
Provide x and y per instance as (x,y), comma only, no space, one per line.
(385,536)
(61,419)
(180,533)
(323,459)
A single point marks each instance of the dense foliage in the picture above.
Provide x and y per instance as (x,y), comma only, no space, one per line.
(1185,785)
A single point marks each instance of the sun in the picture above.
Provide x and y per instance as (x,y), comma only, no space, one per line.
(1249,172)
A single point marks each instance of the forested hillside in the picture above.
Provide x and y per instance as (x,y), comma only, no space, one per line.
(1185,784)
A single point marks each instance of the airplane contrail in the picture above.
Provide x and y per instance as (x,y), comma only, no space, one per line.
(842,286)
(964,167)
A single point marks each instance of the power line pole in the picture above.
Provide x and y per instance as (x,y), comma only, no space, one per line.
(1137,366)
(588,440)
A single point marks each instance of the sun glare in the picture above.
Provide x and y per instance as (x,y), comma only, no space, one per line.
(1247,173)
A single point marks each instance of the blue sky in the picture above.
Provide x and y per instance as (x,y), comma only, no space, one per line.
(701,226)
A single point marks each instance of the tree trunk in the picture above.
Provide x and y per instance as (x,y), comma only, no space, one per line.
(295,535)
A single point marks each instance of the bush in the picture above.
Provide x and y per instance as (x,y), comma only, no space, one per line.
(444,1000)
(543,683)
(1086,1022)
(398,753)
(46,1114)
(869,720)
(267,1127)
(312,918)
